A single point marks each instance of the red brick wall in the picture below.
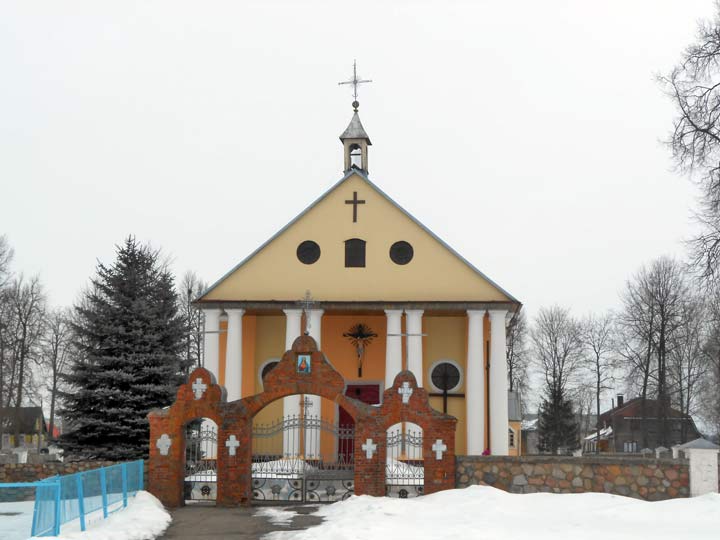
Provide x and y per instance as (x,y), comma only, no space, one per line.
(234,473)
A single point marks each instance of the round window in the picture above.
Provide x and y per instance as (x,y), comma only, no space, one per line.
(445,376)
(308,252)
(401,252)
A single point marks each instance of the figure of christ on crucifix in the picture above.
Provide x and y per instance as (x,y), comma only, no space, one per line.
(355,201)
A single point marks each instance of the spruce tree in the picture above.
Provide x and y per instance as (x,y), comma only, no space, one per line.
(557,425)
(131,339)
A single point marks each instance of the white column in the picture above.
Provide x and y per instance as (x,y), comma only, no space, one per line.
(211,342)
(475,384)
(393,347)
(498,384)
(291,404)
(233,354)
(315,329)
(313,403)
(415,345)
(211,339)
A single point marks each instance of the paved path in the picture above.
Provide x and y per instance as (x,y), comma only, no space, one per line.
(200,522)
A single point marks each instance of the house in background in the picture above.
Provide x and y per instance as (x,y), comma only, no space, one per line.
(514,424)
(622,429)
(32,427)
(529,435)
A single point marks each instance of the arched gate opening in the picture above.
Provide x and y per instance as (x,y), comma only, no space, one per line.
(308,457)
(200,477)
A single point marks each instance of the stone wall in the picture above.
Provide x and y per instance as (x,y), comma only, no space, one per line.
(29,472)
(642,478)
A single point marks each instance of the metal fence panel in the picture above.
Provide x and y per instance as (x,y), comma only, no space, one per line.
(61,499)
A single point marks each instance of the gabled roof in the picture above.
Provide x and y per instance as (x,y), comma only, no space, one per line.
(28,419)
(633,408)
(363,176)
(699,444)
(355,130)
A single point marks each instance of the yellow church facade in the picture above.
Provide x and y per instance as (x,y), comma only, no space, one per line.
(380,293)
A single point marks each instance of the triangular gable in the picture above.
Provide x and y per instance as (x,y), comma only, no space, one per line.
(436,272)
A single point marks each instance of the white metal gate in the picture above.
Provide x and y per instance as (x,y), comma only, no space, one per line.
(303,459)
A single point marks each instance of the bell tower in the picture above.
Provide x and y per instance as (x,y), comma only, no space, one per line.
(355,140)
(355,143)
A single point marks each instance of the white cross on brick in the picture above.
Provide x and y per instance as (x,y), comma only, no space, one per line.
(405,391)
(163,444)
(199,387)
(232,443)
(369,448)
(439,447)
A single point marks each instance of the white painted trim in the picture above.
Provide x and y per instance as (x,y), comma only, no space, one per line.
(445,361)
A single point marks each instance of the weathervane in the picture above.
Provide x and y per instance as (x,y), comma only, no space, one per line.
(355,81)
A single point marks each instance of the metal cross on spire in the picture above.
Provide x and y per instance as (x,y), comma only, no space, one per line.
(355,81)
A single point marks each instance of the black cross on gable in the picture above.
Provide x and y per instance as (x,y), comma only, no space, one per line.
(355,201)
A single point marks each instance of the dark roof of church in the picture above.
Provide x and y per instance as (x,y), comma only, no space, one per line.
(27,418)
(355,130)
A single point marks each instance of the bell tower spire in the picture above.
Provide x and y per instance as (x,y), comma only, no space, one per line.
(355,140)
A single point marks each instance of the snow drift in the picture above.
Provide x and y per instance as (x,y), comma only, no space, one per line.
(485,513)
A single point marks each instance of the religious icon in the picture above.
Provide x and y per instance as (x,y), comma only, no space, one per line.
(303,363)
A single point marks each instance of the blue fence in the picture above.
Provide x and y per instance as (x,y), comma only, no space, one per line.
(61,499)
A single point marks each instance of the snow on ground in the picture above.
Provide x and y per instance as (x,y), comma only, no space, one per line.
(276,516)
(143,519)
(16,520)
(485,513)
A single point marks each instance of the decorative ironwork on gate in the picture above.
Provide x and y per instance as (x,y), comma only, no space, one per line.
(404,469)
(303,459)
(200,462)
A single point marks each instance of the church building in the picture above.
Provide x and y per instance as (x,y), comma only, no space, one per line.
(379,292)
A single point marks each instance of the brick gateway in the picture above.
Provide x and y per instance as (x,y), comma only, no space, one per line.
(202,397)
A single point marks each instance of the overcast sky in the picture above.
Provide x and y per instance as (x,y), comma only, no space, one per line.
(526,134)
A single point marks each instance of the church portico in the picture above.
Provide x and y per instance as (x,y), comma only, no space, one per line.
(454,358)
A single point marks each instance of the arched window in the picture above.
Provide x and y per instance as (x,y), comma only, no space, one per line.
(355,253)
(356,156)
(266,368)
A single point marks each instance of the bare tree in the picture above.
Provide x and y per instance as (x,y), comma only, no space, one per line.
(191,287)
(653,309)
(6,256)
(694,87)
(57,353)
(597,336)
(557,349)
(26,306)
(517,353)
(710,384)
(557,346)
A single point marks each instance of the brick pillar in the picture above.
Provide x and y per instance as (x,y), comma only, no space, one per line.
(234,472)
(166,473)
(370,473)
(439,473)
